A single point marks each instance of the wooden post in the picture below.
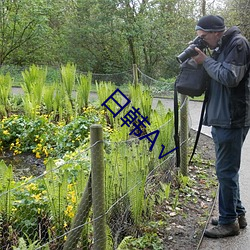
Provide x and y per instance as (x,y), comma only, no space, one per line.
(98,195)
(184,135)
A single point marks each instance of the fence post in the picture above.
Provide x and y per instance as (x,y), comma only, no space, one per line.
(98,195)
(184,135)
(135,74)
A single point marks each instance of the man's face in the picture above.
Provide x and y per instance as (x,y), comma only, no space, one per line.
(211,38)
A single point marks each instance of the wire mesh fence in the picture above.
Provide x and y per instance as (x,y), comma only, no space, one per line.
(160,87)
(56,209)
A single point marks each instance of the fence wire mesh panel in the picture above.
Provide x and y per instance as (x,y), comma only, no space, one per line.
(46,210)
(56,203)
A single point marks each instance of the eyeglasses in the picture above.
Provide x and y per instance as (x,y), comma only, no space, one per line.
(203,36)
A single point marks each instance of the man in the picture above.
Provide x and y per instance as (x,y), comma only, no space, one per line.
(228,112)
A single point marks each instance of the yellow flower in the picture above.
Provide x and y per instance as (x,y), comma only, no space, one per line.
(37,196)
(38,156)
(6,132)
(17,152)
(45,151)
(73,199)
(31,187)
(69,211)
(14,209)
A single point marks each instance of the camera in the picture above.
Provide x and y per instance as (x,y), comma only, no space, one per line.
(190,51)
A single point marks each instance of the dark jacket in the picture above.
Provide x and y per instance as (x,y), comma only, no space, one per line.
(229,90)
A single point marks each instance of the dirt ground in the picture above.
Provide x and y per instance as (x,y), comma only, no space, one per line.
(187,223)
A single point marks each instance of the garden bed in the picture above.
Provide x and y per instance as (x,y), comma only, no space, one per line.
(178,222)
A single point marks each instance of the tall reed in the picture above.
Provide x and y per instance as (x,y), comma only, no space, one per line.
(6,184)
(126,172)
(68,74)
(163,120)
(142,98)
(83,91)
(33,86)
(48,97)
(5,90)
(62,106)
(56,184)
(104,90)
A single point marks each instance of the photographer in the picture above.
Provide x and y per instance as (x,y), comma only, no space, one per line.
(228,112)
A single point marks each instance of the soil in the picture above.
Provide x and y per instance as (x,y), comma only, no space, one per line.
(188,221)
(25,164)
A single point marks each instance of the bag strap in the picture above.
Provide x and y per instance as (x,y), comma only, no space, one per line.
(199,127)
(176,126)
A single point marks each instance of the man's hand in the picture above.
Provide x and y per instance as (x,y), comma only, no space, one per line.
(200,58)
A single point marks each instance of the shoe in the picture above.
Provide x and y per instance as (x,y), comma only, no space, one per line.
(241,219)
(221,231)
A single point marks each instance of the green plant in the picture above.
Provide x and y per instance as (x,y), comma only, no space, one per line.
(162,120)
(83,91)
(6,184)
(126,172)
(142,98)
(164,191)
(48,98)
(68,74)
(34,81)
(5,90)
(184,181)
(23,246)
(176,199)
(43,137)
(56,184)
(147,241)
(104,90)
(30,207)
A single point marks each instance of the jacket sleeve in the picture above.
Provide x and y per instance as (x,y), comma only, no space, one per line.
(234,66)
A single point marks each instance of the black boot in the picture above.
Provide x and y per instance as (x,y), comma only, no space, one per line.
(221,230)
(241,219)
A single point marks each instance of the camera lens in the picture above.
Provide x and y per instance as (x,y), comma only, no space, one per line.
(187,53)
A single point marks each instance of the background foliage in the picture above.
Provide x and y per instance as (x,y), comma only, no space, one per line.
(106,36)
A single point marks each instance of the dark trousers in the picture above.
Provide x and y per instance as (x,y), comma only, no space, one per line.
(228,145)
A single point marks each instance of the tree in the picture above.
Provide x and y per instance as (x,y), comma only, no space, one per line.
(108,36)
(101,36)
(237,12)
(21,21)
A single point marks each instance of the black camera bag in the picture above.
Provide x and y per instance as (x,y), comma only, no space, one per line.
(192,80)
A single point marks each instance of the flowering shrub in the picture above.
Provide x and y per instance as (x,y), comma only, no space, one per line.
(37,205)
(43,137)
